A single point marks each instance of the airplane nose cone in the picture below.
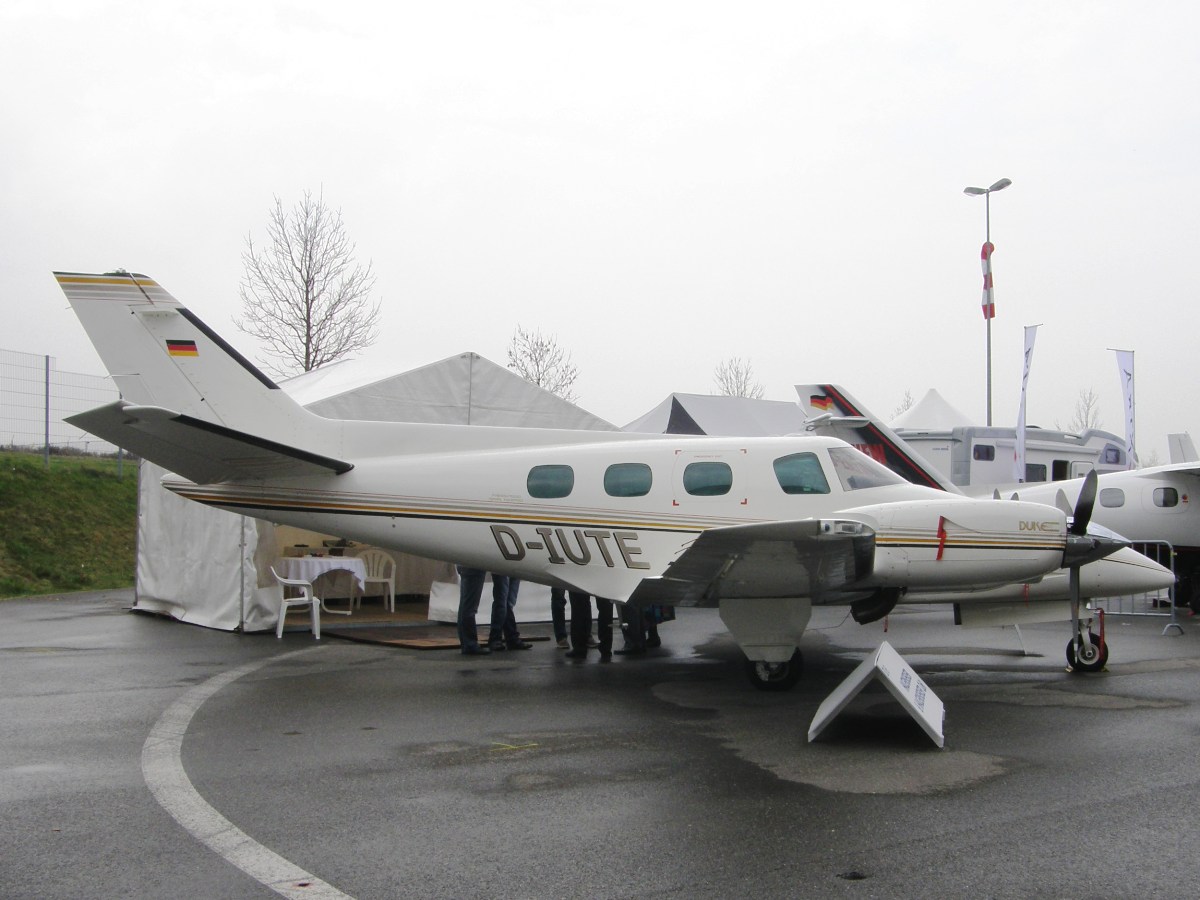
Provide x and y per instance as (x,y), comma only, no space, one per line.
(1126,572)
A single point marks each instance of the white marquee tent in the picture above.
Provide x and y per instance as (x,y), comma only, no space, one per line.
(932,413)
(720,416)
(210,567)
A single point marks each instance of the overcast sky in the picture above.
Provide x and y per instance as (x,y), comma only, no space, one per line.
(661,185)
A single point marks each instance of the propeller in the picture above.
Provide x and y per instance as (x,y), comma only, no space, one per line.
(1085,503)
(1082,548)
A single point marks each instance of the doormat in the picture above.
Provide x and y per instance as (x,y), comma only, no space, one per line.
(411,637)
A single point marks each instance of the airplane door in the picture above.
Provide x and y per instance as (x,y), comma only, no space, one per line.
(1161,498)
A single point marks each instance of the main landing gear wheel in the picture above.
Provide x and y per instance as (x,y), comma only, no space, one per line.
(1092,659)
(769,676)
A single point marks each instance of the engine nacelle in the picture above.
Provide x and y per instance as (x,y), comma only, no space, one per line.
(957,543)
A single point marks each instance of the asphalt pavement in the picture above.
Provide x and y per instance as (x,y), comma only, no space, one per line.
(141,757)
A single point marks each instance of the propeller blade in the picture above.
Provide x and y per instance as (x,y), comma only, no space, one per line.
(1063,504)
(1085,503)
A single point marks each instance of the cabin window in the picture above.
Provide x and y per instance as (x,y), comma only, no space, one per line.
(550,482)
(1111,455)
(1112,498)
(707,479)
(1035,471)
(1060,470)
(627,480)
(984,452)
(1166,497)
(801,473)
(856,470)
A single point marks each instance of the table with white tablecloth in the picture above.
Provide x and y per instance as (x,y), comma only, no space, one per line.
(310,568)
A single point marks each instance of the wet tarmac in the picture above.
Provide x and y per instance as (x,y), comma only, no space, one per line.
(141,757)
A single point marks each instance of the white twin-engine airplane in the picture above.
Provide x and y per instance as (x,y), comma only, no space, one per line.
(760,527)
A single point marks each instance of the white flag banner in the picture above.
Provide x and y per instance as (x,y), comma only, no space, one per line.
(1019,452)
(1125,365)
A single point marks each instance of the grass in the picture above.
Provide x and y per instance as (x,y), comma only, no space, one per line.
(69,527)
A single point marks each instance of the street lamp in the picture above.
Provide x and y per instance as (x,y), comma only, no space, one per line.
(987,207)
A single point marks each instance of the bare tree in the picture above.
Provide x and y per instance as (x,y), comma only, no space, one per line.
(303,295)
(1087,413)
(735,378)
(906,403)
(541,361)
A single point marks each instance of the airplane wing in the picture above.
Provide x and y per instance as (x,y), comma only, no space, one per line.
(797,558)
(201,451)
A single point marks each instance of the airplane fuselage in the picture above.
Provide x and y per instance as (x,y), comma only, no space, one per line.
(601,517)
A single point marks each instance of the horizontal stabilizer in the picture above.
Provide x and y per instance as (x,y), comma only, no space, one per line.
(201,451)
(798,558)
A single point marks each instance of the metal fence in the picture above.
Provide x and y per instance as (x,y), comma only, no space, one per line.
(1156,603)
(35,397)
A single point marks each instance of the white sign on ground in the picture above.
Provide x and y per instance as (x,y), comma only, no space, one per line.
(903,683)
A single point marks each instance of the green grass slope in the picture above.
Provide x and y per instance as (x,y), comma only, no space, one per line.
(69,527)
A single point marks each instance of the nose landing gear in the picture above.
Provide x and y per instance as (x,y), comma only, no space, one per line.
(1087,651)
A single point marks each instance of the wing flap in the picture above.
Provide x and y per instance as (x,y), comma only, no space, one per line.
(201,451)
(798,558)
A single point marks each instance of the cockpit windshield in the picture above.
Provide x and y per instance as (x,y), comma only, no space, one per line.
(856,470)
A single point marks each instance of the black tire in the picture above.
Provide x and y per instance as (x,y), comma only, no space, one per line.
(775,676)
(1088,665)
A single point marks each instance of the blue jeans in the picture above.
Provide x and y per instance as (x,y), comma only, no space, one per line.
(470,588)
(504,617)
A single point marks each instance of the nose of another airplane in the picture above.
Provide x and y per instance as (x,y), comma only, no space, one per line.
(1124,572)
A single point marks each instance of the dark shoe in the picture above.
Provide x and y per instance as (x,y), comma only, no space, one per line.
(496,646)
(653,642)
(475,650)
(520,645)
(564,644)
(605,656)
(576,654)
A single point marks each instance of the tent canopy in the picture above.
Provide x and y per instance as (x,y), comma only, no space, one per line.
(466,389)
(932,413)
(720,416)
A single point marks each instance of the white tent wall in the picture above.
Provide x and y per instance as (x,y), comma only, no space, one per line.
(202,565)
(533,602)
(211,567)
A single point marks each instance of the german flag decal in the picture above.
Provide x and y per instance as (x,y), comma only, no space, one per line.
(182,348)
(821,402)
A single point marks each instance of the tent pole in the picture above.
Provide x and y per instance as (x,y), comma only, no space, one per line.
(242,579)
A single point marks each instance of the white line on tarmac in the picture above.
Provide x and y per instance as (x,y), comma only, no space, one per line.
(162,768)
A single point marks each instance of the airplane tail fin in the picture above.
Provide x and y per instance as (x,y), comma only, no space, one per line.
(1181,448)
(189,401)
(831,411)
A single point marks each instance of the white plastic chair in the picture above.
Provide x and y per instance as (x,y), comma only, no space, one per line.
(307,598)
(381,569)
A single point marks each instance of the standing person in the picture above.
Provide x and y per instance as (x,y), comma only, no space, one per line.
(470,588)
(558,616)
(634,621)
(503,634)
(653,615)
(581,625)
